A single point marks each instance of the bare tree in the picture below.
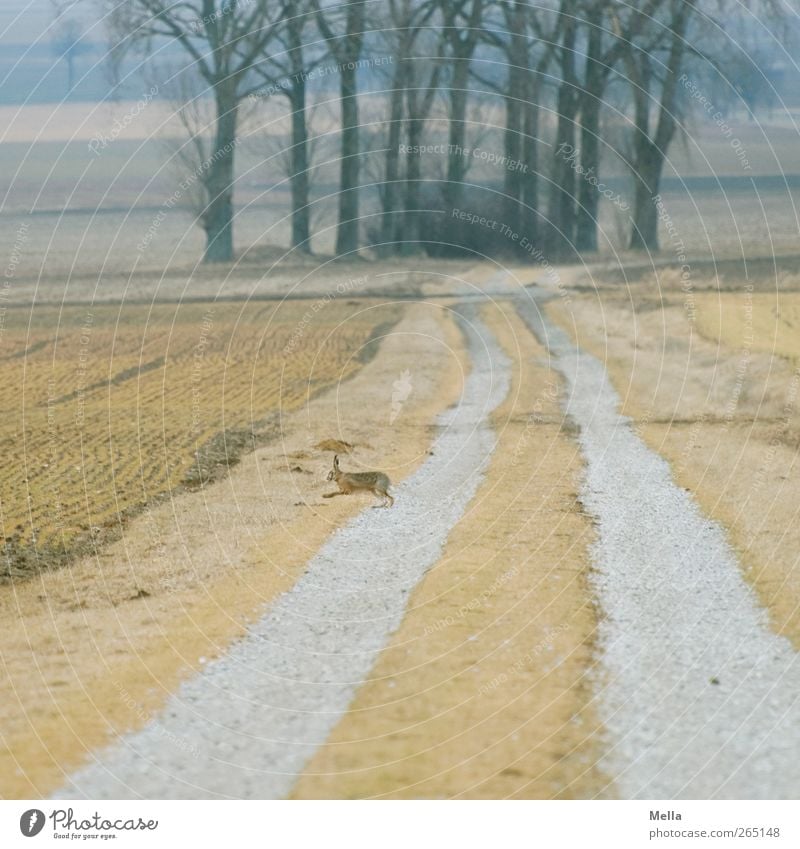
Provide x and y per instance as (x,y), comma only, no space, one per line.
(462,29)
(406,21)
(597,66)
(655,48)
(420,94)
(516,16)
(343,30)
(287,72)
(525,36)
(602,54)
(221,41)
(561,201)
(69,44)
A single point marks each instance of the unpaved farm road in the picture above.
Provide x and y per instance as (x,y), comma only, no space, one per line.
(698,697)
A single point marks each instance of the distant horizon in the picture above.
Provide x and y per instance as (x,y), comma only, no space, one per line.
(27,21)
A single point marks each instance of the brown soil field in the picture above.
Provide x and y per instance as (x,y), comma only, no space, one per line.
(711,382)
(109,409)
(94,650)
(484,690)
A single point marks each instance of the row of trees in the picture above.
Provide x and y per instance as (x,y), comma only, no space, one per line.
(586,76)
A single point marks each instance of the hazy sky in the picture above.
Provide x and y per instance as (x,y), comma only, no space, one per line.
(23,21)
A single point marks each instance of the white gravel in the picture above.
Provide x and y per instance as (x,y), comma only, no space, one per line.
(246,727)
(677,618)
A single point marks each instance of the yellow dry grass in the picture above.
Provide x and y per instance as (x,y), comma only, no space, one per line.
(108,408)
(768,322)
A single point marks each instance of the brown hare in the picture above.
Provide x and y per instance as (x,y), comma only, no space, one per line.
(375,482)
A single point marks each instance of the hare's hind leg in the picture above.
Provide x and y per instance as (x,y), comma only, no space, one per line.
(381,493)
(385,496)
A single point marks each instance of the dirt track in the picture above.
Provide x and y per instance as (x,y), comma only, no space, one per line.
(259,712)
(445,708)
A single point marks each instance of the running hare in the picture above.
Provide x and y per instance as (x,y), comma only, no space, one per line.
(375,482)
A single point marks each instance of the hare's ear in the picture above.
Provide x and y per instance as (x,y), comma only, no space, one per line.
(336,461)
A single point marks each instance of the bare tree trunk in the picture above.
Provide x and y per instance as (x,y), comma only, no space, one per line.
(301,211)
(224,52)
(647,177)
(529,180)
(650,152)
(463,38)
(301,229)
(346,49)
(347,230)
(217,217)
(391,184)
(412,235)
(561,207)
(595,79)
(419,101)
(456,161)
(515,100)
